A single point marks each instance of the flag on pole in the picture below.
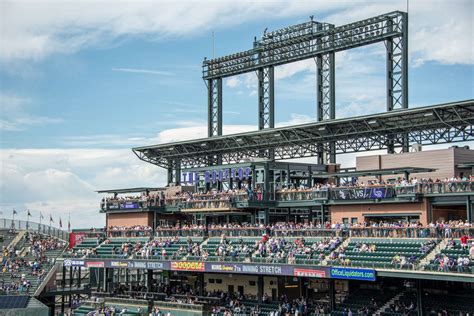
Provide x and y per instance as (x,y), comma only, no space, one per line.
(69,222)
(51,219)
(14,212)
(41,216)
(60,223)
(29,214)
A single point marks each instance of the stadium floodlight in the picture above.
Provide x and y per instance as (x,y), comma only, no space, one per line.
(373,122)
(428,114)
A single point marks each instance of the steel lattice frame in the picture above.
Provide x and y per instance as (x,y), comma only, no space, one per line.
(446,123)
(320,41)
(266,98)
(214,88)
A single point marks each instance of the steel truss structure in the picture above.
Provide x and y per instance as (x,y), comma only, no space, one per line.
(445,123)
(312,40)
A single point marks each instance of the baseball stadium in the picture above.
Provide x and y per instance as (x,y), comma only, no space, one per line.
(269,223)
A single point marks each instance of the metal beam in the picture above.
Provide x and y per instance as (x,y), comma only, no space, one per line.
(303,41)
(438,124)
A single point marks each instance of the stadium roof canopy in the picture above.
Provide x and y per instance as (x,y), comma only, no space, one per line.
(437,124)
(377,172)
(131,190)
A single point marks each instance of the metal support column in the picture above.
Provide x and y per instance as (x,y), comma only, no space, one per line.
(332,295)
(149,280)
(326,97)
(469,215)
(266,98)
(260,288)
(397,75)
(419,297)
(174,172)
(214,88)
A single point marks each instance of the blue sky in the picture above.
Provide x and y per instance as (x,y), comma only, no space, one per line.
(81,83)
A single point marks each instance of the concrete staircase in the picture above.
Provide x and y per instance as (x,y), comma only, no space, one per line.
(387,304)
(17,239)
(432,254)
(344,244)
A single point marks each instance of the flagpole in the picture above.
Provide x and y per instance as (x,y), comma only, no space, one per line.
(27,219)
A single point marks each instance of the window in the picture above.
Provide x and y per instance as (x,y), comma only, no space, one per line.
(211,281)
(345,220)
(252,283)
(219,281)
(354,220)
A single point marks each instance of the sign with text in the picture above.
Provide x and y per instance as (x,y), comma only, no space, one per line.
(214,176)
(187,266)
(353,274)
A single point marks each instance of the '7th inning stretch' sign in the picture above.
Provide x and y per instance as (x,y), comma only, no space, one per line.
(214,176)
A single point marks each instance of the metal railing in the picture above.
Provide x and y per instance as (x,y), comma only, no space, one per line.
(377,232)
(17,224)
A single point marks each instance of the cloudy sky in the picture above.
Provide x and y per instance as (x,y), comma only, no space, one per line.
(81,82)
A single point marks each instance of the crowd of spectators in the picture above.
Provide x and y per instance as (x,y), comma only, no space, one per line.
(129,231)
(274,249)
(143,200)
(21,265)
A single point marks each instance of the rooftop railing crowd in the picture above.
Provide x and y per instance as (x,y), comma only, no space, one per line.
(215,199)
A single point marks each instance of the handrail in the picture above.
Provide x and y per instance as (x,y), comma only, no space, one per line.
(18,224)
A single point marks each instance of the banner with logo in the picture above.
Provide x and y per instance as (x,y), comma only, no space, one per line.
(237,268)
(371,193)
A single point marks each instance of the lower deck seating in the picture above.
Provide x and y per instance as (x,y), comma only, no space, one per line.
(452,304)
(364,302)
(405,305)
(120,309)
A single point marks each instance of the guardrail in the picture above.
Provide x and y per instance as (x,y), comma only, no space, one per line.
(34,227)
(384,232)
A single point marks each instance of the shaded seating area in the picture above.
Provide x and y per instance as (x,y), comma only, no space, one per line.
(452,304)
(364,301)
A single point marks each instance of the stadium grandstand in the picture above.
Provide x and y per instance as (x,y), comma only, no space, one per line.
(241,228)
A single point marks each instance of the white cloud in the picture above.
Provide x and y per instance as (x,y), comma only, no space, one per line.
(14,114)
(232,82)
(35,30)
(59,181)
(144,71)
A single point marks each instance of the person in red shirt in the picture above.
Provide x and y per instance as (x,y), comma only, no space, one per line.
(464,239)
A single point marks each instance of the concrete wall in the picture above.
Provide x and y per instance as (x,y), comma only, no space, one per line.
(444,160)
(129,219)
(338,212)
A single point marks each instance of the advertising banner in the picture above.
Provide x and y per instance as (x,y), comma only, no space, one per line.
(75,239)
(353,274)
(187,266)
(74,263)
(310,273)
